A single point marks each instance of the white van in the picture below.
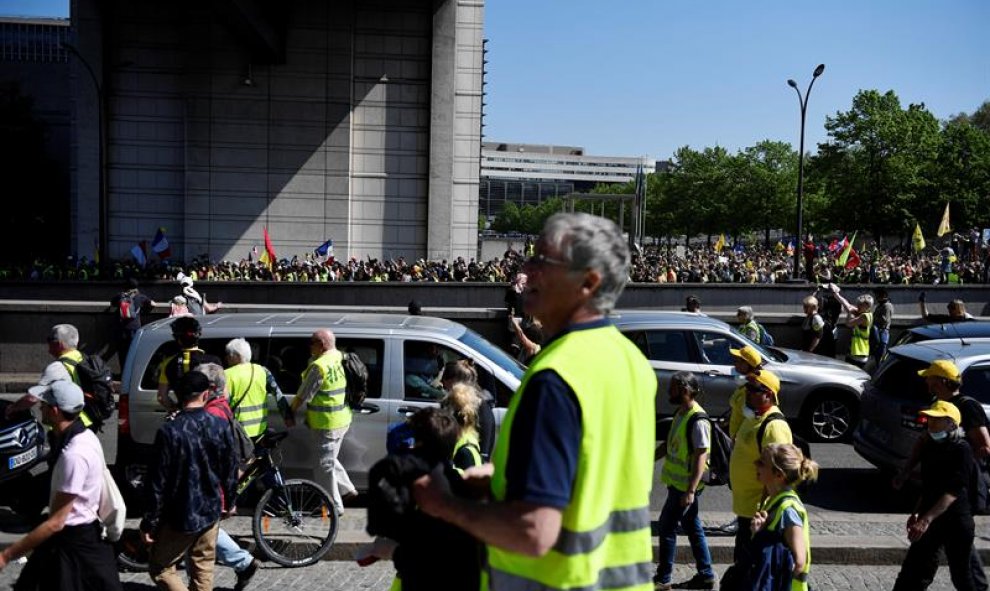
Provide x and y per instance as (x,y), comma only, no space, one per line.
(280,342)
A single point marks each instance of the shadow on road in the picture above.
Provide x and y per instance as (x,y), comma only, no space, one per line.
(858,490)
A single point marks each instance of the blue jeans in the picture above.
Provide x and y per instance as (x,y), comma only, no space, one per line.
(230,554)
(672,514)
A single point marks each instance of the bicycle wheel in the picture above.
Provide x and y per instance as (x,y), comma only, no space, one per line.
(295,525)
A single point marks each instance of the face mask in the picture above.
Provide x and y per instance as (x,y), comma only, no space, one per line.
(749,413)
(940,436)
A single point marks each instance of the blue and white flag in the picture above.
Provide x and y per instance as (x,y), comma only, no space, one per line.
(324,249)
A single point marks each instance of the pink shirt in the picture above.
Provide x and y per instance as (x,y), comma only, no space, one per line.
(79,472)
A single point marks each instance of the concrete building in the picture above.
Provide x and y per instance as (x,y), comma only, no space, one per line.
(527,174)
(34,95)
(352,120)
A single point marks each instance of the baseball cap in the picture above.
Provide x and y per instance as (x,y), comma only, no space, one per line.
(53,372)
(942,368)
(749,355)
(766,379)
(942,408)
(62,394)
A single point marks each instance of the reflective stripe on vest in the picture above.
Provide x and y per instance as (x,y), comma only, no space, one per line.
(788,499)
(75,357)
(676,471)
(859,346)
(328,410)
(246,384)
(604,542)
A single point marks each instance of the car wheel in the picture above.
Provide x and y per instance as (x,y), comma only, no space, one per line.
(830,417)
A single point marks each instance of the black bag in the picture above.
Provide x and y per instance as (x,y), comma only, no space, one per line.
(356,373)
(96,382)
(799,441)
(719,451)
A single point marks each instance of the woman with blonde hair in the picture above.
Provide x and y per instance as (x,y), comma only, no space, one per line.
(463,402)
(781,544)
(463,371)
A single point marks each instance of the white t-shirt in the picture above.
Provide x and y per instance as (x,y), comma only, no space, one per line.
(79,472)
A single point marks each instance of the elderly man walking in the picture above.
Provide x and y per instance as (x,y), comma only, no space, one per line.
(323,391)
(249,385)
(573,468)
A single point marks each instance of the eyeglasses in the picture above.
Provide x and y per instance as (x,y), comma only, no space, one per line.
(540,260)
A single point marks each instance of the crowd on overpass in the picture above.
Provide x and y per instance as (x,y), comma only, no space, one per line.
(654,264)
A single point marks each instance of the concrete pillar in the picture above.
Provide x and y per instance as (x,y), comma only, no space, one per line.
(455,128)
(84,160)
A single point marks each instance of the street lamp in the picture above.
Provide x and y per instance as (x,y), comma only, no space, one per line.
(104,241)
(803,101)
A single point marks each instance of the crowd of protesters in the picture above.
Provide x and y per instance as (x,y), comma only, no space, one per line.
(964,262)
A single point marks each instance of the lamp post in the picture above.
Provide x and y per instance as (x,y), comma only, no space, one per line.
(803,101)
(102,229)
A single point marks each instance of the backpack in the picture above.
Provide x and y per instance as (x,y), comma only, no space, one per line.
(243,444)
(719,451)
(96,382)
(356,373)
(979,493)
(799,441)
(766,339)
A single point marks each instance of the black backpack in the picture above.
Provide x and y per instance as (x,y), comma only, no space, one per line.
(719,452)
(96,382)
(356,373)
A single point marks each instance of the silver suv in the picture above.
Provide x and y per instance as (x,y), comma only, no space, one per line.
(891,423)
(386,343)
(819,393)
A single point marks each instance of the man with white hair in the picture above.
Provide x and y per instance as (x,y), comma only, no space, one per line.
(249,385)
(557,480)
(748,326)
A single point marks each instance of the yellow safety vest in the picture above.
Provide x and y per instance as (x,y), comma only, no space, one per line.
(746,488)
(860,344)
(676,471)
(76,357)
(328,409)
(246,383)
(789,500)
(469,440)
(604,538)
(736,403)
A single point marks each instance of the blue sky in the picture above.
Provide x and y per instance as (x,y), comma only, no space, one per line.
(644,77)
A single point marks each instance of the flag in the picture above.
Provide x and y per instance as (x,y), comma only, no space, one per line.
(253,254)
(943,226)
(918,239)
(324,249)
(738,248)
(138,250)
(844,257)
(790,248)
(854,259)
(264,260)
(160,245)
(269,249)
(720,243)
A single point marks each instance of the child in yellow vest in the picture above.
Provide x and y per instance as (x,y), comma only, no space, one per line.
(781,537)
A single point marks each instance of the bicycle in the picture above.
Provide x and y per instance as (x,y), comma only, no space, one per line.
(294,523)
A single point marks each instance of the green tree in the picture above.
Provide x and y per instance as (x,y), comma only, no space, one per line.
(875,163)
(767,196)
(960,174)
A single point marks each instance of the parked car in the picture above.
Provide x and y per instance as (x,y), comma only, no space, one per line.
(955,330)
(890,422)
(386,343)
(23,452)
(821,395)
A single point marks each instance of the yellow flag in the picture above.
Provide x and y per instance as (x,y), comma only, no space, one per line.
(943,226)
(265,260)
(720,243)
(918,239)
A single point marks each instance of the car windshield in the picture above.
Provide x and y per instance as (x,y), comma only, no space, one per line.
(493,353)
(766,352)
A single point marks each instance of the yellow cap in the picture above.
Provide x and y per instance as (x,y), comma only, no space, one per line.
(942,368)
(749,355)
(942,408)
(766,379)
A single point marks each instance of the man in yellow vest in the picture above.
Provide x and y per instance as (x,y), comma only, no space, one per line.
(686,459)
(755,432)
(186,331)
(323,391)
(573,468)
(249,385)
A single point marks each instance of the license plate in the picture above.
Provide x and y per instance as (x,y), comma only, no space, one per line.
(21,459)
